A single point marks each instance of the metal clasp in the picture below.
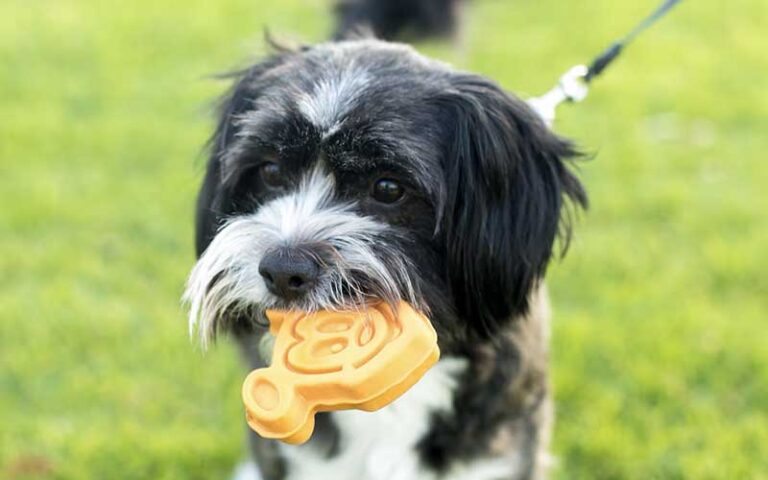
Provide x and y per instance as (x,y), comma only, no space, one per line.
(572,87)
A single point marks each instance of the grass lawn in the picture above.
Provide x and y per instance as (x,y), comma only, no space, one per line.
(660,353)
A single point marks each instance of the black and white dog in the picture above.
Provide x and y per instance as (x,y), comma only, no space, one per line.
(357,170)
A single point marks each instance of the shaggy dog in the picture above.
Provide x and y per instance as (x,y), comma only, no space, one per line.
(358,170)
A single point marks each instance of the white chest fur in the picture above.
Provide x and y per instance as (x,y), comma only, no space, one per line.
(380,445)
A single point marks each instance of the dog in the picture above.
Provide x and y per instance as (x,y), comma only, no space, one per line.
(358,170)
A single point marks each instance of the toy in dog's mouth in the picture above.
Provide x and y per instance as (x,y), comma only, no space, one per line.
(324,361)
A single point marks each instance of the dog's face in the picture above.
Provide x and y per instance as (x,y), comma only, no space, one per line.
(360,171)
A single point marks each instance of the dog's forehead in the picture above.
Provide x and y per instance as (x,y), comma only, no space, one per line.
(363,103)
(343,76)
(331,83)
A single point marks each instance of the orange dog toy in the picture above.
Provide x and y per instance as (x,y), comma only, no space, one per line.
(336,360)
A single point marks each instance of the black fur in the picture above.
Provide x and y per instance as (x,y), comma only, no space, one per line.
(506,182)
(497,209)
(480,408)
(214,202)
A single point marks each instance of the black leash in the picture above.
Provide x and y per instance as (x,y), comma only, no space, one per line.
(609,54)
(574,84)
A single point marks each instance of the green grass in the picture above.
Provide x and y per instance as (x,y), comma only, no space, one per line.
(660,354)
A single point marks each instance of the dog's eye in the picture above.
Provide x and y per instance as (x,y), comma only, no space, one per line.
(386,190)
(271,174)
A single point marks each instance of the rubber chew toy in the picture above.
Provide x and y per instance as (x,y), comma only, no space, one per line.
(336,360)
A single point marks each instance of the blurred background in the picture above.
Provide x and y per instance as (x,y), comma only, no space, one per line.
(660,354)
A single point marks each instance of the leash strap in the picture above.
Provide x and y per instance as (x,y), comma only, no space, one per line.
(573,86)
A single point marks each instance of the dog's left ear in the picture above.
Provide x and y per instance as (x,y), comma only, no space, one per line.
(507,187)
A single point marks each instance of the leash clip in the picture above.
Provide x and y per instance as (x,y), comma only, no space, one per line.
(571,87)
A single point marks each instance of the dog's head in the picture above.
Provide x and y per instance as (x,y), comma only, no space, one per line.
(356,171)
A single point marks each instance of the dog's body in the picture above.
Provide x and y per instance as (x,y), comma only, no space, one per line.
(483,416)
(359,170)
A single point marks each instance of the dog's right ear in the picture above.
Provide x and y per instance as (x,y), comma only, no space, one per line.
(213,201)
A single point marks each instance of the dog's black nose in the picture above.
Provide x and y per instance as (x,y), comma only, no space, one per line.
(289,274)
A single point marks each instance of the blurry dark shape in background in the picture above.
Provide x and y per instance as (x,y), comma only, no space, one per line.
(412,19)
